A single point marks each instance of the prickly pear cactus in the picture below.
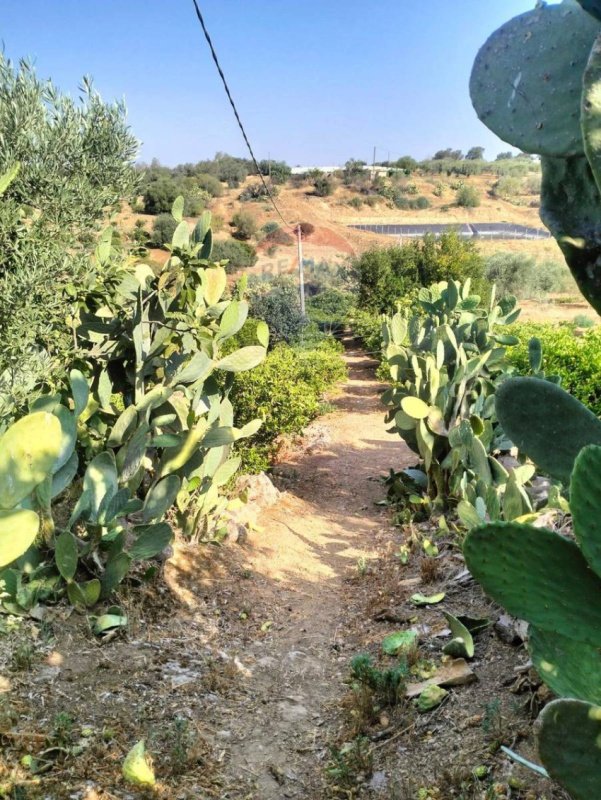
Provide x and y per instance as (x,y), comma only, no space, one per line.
(554,584)
(526,83)
(537,84)
(573,760)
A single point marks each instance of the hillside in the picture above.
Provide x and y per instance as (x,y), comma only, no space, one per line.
(333,240)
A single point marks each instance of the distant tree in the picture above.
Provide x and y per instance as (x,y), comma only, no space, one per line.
(159,195)
(449,153)
(279,171)
(475,154)
(406,163)
(71,160)
(353,169)
(505,156)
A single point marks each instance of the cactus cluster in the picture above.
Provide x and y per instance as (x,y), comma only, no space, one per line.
(445,364)
(537,84)
(551,581)
(150,418)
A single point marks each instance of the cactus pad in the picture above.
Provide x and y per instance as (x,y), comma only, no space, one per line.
(585,494)
(560,593)
(18,530)
(569,744)
(526,84)
(568,667)
(28,452)
(536,414)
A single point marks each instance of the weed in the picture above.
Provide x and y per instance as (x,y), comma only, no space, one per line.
(350,763)
(62,729)
(387,685)
(180,742)
(362,567)
(21,659)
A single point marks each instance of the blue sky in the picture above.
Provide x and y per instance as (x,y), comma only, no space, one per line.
(316,82)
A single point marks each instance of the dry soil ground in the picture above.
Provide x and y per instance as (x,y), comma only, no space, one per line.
(235,668)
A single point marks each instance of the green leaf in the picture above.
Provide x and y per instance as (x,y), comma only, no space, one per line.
(100,479)
(420,599)
(243,359)
(65,475)
(79,390)
(18,530)
(199,366)
(462,644)
(177,209)
(115,571)
(150,540)
(108,622)
(136,768)
(415,408)
(214,283)
(262,333)
(8,177)
(160,498)
(123,427)
(65,555)
(29,451)
(181,236)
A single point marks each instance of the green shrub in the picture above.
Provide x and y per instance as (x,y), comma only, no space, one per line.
(507,188)
(209,184)
(583,321)
(323,185)
(468,197)
(256,191)
(575,359)
(279,236)
(422,202)
(245,224)
(270,227)
(240,255)
(356,202)
(278,304)
(524,276)
(278,171)
(329,309)
(285,392)
(383,275)
(163,227)
(367,327)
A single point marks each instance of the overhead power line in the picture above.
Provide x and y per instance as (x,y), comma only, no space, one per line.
(236,114)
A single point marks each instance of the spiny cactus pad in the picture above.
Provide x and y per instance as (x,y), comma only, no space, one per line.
(568,667)
(546,423)
(560,593)
(569,744)
(585,496)
(526,83)
(28,452)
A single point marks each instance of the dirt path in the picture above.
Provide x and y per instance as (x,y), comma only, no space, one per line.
(320,532)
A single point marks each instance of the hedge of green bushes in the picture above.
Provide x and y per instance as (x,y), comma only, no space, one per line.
(576,359)
(286,391)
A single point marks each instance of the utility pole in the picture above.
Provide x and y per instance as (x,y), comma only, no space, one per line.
(373,165)
(301,271)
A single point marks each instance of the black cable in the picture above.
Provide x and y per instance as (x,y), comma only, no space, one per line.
(233,105)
